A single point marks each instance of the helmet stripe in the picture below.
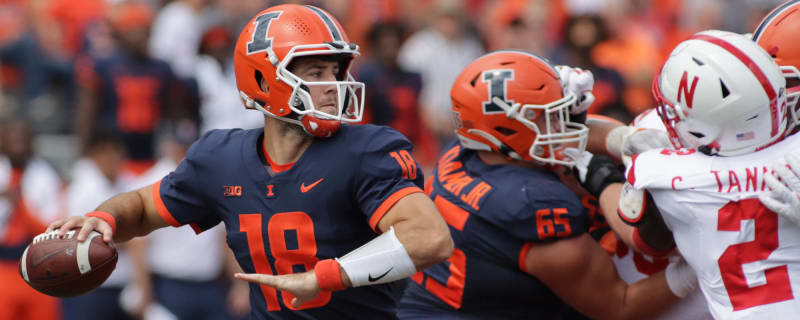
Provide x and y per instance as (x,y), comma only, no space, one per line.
(771,16)
(332,28)
(754,68)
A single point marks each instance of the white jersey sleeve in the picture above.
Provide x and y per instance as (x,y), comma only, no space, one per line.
(746,257)
(649,119)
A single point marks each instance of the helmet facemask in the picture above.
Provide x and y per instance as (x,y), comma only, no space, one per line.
(792,76)
(670,114)
(558,131)
(305,113)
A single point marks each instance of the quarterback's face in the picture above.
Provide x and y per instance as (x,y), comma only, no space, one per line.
(314,70)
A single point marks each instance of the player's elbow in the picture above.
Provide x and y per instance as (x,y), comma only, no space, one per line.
(441,246)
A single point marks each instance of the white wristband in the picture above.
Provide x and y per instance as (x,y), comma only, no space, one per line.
(382,260)
(681,278)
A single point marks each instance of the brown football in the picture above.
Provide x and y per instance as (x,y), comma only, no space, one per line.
(63,267)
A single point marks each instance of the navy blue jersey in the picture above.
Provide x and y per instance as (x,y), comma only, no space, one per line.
(495,213)
(327,204)
(132,96)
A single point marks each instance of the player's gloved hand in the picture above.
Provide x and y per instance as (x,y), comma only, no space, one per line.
(578,82)
(626,141)
(595,172)
(303,286)
(784,199)
(680,276)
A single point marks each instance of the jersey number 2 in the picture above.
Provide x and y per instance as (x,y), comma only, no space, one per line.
(777,287)
(285,258)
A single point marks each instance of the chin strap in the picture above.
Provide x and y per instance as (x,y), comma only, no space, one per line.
(501,147)
(321,128)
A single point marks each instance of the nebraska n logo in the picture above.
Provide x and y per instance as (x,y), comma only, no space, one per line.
(683,88)
(497,88)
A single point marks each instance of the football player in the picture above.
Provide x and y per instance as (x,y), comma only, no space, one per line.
(723,103)
(776,34)
(520,234)
(303,198)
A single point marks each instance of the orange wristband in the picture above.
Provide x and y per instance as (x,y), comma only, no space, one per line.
(328,276)
(107,217)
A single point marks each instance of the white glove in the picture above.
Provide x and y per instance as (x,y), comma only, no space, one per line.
(681,278)
(581,159)
(784,199)
(626,141)
(642,140)
(578,82)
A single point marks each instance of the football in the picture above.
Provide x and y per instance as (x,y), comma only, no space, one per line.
(60,266)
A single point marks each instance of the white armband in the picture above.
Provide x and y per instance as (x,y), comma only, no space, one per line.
(382,260)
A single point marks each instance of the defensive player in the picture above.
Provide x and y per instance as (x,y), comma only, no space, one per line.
(521,246)
(723,102)
(303,190)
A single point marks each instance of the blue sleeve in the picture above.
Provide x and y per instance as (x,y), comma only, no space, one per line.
(387,172)
(180,196)
(553,211)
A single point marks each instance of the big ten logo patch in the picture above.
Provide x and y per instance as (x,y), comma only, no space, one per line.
(232,191)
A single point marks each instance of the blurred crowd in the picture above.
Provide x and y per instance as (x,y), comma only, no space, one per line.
(103,96)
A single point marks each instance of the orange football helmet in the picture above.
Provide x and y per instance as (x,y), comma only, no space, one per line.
(512,102)
(266,47)
(777,35)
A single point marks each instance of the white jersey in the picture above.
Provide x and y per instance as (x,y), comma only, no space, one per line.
(633,266)
(746,257)
(649,119)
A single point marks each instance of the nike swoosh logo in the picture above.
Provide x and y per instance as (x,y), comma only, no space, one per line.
(46,257)
(371,279)
(304,188)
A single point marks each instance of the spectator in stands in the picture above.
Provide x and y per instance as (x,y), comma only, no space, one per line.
(176,34)
(128,92)
(393,99)
(439,53)
(39,42)
(96,177)
(581,34)
(517,24)
(220,103)
(29,199)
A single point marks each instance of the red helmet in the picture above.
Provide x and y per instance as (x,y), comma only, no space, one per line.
(266,47)
(512,102)
(777,35)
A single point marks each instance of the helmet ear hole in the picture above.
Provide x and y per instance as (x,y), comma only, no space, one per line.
(697,134)
(505,131)
(260,77)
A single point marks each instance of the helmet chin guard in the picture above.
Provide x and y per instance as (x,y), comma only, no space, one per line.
(321,128)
